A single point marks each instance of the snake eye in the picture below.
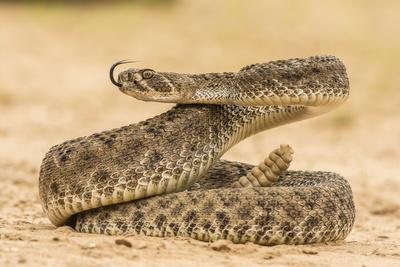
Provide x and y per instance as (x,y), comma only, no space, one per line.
(147,73)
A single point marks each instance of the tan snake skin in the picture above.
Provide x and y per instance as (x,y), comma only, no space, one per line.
(164,176)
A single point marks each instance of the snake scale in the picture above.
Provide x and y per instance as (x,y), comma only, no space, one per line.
(164,177)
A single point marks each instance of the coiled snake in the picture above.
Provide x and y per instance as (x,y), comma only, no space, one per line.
(164,176)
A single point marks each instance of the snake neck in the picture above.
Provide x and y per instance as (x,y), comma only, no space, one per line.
(315,81)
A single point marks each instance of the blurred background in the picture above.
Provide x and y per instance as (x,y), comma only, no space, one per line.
(54,85)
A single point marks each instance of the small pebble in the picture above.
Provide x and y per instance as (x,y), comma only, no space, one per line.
(123,242)
(310,252)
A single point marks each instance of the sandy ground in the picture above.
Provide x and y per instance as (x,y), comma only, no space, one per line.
(54,86)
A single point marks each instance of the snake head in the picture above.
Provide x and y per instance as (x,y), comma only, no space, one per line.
(150,85)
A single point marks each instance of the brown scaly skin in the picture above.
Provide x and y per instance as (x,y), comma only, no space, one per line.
(301,208)
(171,152)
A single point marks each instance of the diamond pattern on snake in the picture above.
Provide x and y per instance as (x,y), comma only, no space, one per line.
(164,176)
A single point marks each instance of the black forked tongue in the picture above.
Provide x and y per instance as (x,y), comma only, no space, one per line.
(113,66)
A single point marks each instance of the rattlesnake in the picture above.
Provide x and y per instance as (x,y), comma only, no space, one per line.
(164,176)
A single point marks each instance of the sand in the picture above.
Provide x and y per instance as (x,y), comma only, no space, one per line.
(54,86)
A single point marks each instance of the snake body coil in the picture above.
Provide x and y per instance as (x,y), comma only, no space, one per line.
(164,176)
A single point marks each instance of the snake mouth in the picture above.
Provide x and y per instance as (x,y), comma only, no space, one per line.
(112,68)
(148,97)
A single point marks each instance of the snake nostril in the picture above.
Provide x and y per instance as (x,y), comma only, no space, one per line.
(135,82)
